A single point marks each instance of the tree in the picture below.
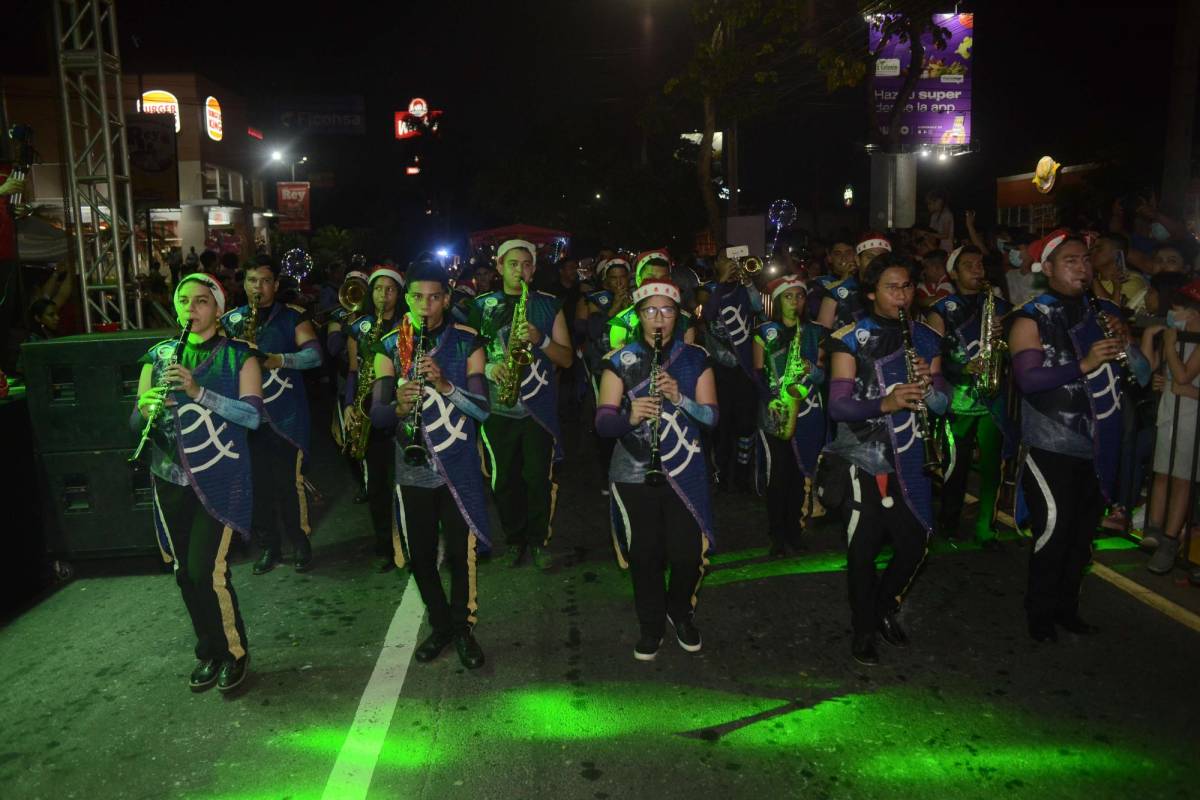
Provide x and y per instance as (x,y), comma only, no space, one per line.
(331,243)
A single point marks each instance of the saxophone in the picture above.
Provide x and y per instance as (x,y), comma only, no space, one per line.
(249,333)
(358,420)
(987,365)
(654,471)
(163,383)
(789,389)
(516,354)
(921,418)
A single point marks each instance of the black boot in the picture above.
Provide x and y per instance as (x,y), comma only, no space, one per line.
(892,633)
(863,649)
(232,673)
(267,561)
(433,646)
(469,651)
(303,555)
(204,675)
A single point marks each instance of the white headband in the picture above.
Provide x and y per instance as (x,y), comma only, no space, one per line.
(871,244)
(511,243)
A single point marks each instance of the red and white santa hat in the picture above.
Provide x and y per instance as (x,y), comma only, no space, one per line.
(515,243)
(646,256)
(952,261)
(785,283)
(609,263)
(871,241)
(384,271)
(656,287)
(356,273)
(210,282)
(1041,249)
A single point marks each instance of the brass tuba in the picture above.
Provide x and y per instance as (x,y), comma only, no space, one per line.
(517,355)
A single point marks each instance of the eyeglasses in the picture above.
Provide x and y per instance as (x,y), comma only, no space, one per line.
(897,287)
(666,312)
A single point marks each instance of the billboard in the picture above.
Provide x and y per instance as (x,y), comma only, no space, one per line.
(939,110)
(153,163)
(293,199)
(323,115)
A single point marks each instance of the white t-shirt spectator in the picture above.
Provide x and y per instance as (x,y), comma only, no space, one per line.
(943,223)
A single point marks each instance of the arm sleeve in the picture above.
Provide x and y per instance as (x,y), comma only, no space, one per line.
(473,405)
(938,399)
(844,408)
(383,406)
(240,412)
(1032,377)
(307,357)
(611,423)
(335,343)
(136,421)
(705,415)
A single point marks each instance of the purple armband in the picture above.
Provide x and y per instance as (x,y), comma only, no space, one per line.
(844,408)
(610,423)
(383,408)
(335,343)
(477,385)
(1032,377)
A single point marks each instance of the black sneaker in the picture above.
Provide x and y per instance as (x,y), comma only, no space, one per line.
(204,675)
(541,558)
(232,673)
(686,634)
(863,649)
(469,651)
(892,633)
(647,647)
(433,646)
(303,556)
(266,562)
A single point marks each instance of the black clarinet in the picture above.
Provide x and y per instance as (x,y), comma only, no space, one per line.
(654,471)
(933,456)
(415,454)
(163,383)
(1122,358)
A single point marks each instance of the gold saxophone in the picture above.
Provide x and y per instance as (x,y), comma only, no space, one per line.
(249,333)
(358,417)
(517,355)
(789,389)
(987,365)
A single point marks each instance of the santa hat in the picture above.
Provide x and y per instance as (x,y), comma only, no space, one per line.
(785,283)
(513,243)
(952,261)
(646,256)
(872,241)
(609,263)
(1041,249)
(354,273)
(211,283)
(656,287)
(384,271)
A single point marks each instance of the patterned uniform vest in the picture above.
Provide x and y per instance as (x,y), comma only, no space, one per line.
(729,327)
(363,329)
(539,387)
(596,345)
(811,425)
(878,349)
(449,435)
(211,450)
(1089,406)
(680,448)
(850,308)
(284,396)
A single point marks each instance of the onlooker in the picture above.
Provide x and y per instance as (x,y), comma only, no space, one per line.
(1167,257)
(1114,280)
(935,283)
(1020,278)
(941,219)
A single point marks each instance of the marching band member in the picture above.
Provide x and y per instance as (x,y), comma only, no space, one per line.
(878,460)
(439,485)
(200,496)
(1071,424)
(844,303)
(977,412)
(842,263)
(284,338)
(522,433)
(366,332)
(792,425)
(660,501)
(650,265)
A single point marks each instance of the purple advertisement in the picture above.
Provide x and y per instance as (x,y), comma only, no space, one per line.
(939,110)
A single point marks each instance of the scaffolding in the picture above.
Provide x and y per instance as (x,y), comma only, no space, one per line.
(99,196)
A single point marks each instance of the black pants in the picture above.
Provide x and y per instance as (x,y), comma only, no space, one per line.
(380,469)
(280,503)
(200,550)
(1065,504)
(965,431)
(737,402)
(786,493)
(522,453)
(662,534)
(423,511)
(869,525)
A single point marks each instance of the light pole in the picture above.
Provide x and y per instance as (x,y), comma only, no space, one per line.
(279,157)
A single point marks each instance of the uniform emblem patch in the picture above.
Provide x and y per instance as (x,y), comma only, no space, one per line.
(862,335)
(628,358)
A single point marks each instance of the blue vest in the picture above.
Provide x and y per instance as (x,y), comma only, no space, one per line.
(211,450)
(680,447)
(450,436)
(730,322)
(849,301)
(284,396)
(812,428)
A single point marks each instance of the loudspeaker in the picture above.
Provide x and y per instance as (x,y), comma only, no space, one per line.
(81,389)
(96,504)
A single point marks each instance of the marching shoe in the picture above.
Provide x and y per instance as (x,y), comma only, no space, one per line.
(232,673)
(892,632)
(541,558)
(647,647)
(686,634)
(863,649)
(514,555)
(433,646)
(1075,625)
(1042,630)
(204,675)
(266,562)
(469,651)
(303,556)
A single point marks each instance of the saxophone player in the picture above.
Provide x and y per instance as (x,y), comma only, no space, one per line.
(873,472)
(792,427)
(669,523)
(366,332)
(971,357)
(522,437)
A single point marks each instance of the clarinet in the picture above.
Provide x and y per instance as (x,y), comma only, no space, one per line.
(415,454)
(1122,358)
(163,383)
(654,471)
(933,456)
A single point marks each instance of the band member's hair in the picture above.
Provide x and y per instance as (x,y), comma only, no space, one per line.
(881,264)
(936,254)
(427,268)
(259,261)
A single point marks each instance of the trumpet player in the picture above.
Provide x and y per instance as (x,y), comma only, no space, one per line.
(431,392)
(283,338)
(201,479)
(885,382)
(1071,424)
(843,302)
(526,339)
(656,395)
(974,361)
(366,332)
(792,427)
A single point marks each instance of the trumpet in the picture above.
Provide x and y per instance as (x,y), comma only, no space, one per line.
(745,268)
(654,471)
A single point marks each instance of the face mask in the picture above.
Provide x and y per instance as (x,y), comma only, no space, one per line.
(1014,257)
(1158,232)
(1176,321)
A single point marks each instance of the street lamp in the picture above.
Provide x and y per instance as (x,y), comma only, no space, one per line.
(279,157)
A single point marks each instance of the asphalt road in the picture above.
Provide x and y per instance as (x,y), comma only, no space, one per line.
(95,702)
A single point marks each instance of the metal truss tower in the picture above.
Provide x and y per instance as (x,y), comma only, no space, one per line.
(99,197)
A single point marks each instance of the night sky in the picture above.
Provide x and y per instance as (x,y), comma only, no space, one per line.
(1080,81)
